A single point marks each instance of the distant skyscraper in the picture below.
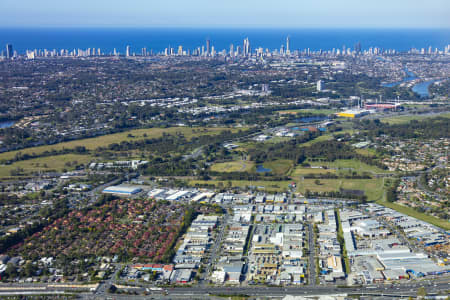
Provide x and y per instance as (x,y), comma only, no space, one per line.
(319,86)
(358,47)
(9,51)
(128,51)
(288,45)
(232,50)
(247,49)
(208,47)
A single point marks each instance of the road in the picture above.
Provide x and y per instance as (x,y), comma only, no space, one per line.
(96,192)
(195,154)
(425,188)
(312,256)
(433,286)
(103,287)
(217,244)
(387,290)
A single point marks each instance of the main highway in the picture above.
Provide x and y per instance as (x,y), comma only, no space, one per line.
(384,291)
(436,286)
(408,289)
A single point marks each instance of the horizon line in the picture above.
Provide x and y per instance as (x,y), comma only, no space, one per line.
(222,27)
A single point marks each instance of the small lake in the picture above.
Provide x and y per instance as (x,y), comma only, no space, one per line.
(261,169)
(6,124)
(311,119)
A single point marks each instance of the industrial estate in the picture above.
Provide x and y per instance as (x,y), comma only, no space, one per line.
(246,173)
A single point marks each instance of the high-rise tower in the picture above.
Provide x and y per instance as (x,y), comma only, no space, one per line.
(247,49)
(358,47)
(208,47)
(319,87)
(9,51)
(288,45)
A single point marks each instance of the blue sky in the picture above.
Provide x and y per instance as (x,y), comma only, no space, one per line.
(226,13)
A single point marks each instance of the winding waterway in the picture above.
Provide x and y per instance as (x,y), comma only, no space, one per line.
(420,88)
(6,124)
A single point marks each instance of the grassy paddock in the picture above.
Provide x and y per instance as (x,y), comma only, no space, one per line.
(233,166)
(322,138)
(353,164)
(44,164)
(105,140)
(366,152)
(271,186)
(373,187)
(300,171)
(327,137)
(308,111)
(406,119)
(413,213)
(279,166)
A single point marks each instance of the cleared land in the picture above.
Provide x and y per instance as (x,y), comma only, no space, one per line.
(301,171)
(373,187)
(413,213)
(366,152)
(353,164)
(308,111)
(279,166)
(45,164)
(406,119)
(278,139)
(233,166)
(327,137)
(322,138)
(132,135)
(271,186)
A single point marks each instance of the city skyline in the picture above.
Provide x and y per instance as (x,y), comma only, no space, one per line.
(244,49)
(233,14)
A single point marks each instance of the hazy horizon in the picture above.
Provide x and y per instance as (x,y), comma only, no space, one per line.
(230,14)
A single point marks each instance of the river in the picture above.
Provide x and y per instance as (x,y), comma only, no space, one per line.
(420,88)
(6,124)
(410,76)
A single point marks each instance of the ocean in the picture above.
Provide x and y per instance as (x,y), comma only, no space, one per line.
(158,39)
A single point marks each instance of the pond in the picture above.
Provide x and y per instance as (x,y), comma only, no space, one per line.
(6,124)
(312,119)
(261,169)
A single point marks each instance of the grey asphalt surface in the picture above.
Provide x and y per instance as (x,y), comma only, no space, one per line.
(387,290)
(312,256)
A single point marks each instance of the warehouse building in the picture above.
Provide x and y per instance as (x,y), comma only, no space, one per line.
(353,113)
(124,190)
